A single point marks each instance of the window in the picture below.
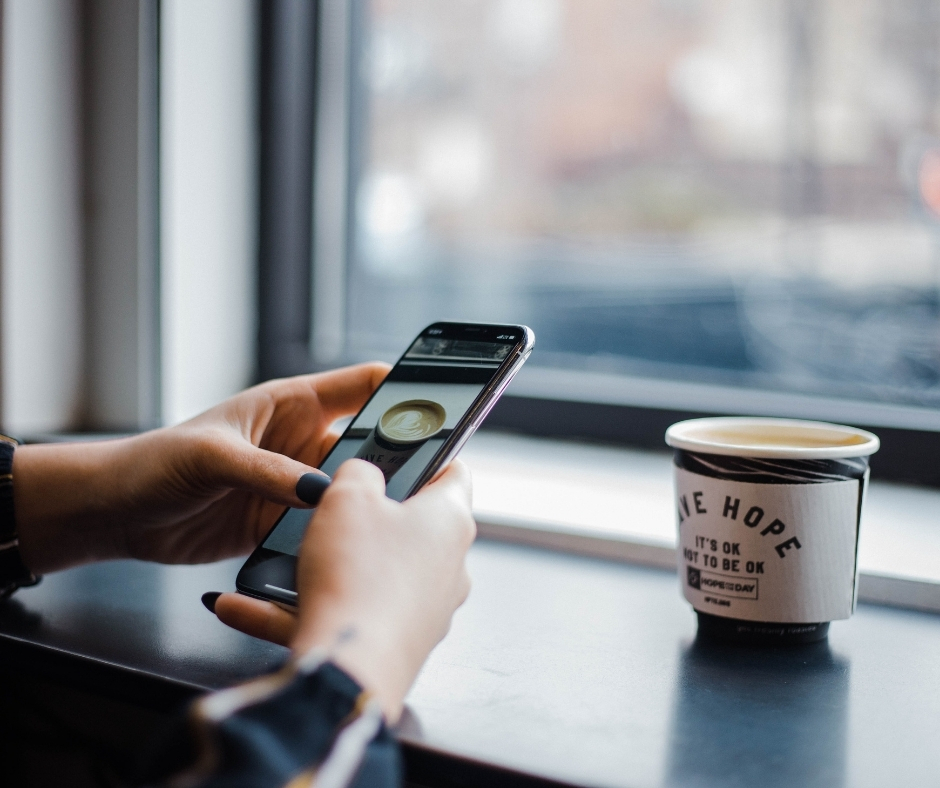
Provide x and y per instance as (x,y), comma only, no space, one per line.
(691,190)
(699,206)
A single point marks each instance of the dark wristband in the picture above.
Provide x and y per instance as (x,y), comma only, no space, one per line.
(13,572)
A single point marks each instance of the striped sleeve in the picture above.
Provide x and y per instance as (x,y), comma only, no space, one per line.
(307,725)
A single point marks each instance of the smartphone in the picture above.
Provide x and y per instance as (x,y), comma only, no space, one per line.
(427,408)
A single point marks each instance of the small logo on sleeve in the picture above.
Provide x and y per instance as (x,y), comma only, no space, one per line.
(732,586)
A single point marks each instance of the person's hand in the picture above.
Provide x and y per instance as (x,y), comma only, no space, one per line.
(200,491)
(391,574)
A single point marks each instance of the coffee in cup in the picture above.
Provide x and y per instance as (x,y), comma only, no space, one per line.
(400,432)
(768,513)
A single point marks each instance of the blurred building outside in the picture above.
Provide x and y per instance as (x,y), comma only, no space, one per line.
(711,190)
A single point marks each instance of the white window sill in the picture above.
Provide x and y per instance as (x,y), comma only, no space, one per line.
(618,503)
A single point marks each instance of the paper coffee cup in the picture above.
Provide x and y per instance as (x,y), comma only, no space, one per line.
(768,513)
(400,432)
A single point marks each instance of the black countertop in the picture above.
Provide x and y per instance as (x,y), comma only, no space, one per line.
(568,668)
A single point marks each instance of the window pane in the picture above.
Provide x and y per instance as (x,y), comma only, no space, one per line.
(715,190)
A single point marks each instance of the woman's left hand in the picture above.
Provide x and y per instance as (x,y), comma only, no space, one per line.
(200,491)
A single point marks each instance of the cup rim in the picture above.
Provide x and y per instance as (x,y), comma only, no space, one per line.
(381,432)
(678,437)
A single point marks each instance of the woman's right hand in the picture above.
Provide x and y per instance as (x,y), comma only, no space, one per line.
(390,574)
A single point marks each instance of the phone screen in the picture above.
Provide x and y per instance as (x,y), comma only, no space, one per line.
(414,412)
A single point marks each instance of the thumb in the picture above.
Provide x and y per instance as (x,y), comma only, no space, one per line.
(272,476)
(360,474)
(256,618)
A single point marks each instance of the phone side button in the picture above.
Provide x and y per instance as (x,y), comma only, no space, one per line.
(277,591)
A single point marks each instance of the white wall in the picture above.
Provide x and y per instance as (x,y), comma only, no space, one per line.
(208,197)
(40,210)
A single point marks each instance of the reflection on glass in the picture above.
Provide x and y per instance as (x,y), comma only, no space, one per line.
(748,716)
(732,192)
(428,349)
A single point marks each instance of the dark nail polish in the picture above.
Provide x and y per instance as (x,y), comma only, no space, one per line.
(209,599)
(311,486)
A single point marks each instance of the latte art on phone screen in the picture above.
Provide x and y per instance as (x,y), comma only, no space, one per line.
(412,421)
(400,432)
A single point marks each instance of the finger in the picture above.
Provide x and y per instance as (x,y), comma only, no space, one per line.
(453,481)
(236,463)
(344,391)
(330,440)
(311,486)
(314,452)
(360,474)
(257,618)
(451,492)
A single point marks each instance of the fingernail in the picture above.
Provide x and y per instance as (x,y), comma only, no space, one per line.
(311,486)
(209,599)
